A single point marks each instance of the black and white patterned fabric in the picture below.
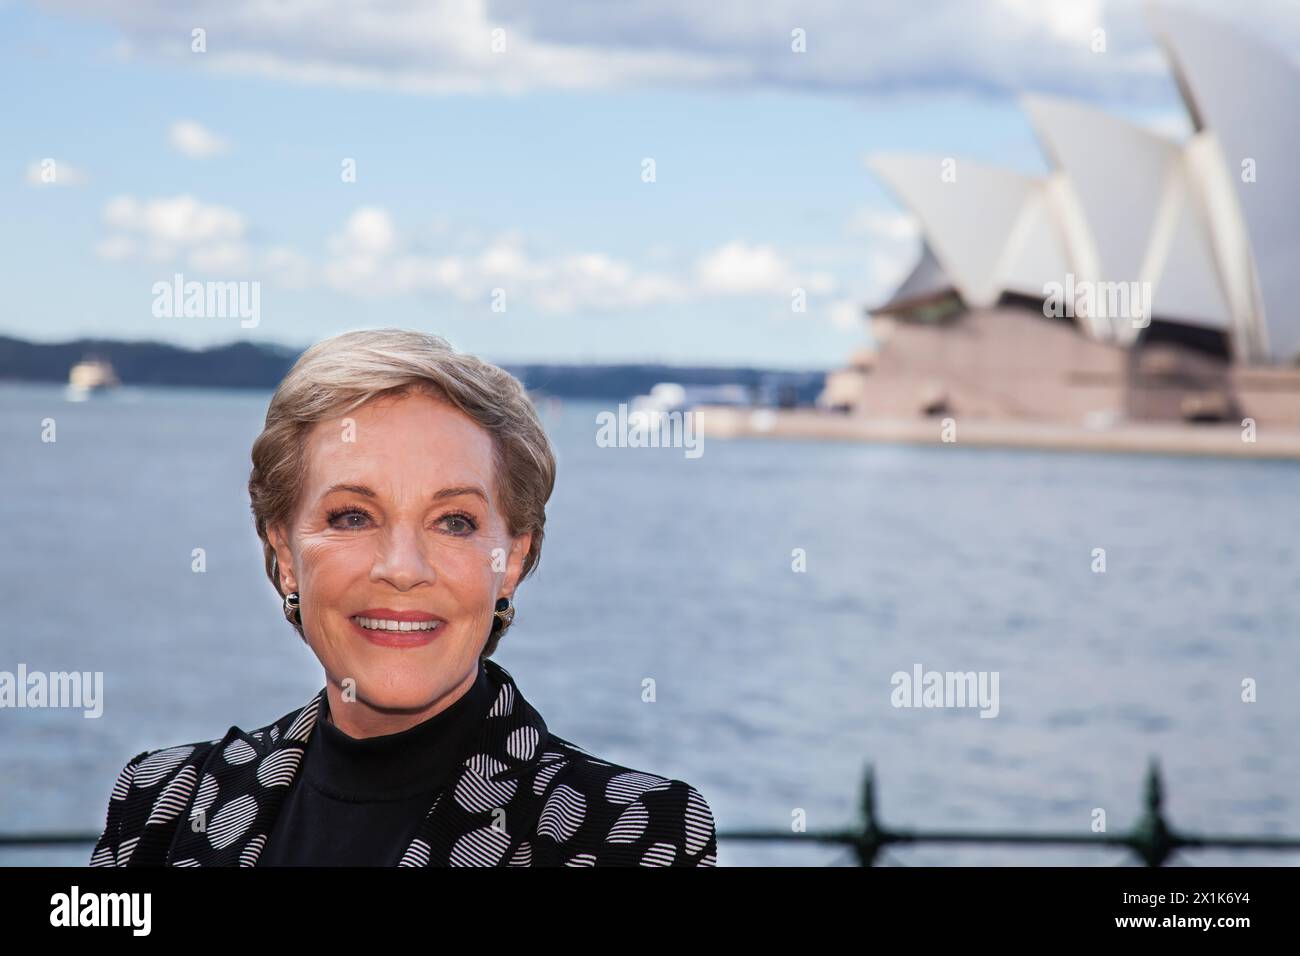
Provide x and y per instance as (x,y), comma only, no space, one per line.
(521,797)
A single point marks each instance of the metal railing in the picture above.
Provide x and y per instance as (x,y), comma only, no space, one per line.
(1152,838)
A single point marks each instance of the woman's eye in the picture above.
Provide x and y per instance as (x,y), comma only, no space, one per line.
(348,520)
(459,524)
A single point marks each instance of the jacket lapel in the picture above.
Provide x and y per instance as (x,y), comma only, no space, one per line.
(484,815)
(240,790)
(480,818)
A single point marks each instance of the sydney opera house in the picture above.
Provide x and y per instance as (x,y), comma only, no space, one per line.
(1141,280)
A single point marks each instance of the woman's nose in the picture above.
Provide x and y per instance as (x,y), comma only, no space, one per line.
(402,560)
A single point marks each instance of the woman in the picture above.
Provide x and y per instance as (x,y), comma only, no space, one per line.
(399,489)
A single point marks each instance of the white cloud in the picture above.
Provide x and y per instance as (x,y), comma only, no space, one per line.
(446,46)
(207,237)
(358,255)
(54,172)
(370,231)
(595,280)
(178,220)
(370,257)
(1066,21)
(738,268)
(196,141)
(367,259)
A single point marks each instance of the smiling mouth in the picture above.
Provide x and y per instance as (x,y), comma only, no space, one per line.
(382,624)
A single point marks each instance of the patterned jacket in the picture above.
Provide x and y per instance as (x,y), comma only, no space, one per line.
(521,797)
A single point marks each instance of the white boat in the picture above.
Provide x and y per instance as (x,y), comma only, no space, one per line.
(91,375)
(673,397)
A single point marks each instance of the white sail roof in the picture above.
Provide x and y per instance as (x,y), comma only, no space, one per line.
(1035,252)
(926,280)
(1244,93)
(1142,210)
(976,222)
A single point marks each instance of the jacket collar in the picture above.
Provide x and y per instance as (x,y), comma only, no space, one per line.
(242,783)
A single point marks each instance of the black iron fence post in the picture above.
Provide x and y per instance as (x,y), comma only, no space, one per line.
(1152,839)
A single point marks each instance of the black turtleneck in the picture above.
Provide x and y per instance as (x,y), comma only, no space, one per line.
(359,802)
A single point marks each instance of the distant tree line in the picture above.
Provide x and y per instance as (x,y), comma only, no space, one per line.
(259,366)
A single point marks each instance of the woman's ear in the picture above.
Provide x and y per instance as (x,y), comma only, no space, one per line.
(283,557)
(515,563)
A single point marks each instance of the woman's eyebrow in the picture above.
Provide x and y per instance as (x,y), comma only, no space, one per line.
(457,490)
(367,492)
(362,490)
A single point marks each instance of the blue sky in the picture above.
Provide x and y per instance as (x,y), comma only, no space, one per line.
(520,170)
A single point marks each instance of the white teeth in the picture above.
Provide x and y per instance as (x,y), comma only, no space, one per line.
(376,624)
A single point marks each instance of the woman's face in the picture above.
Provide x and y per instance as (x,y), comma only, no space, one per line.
(398,551)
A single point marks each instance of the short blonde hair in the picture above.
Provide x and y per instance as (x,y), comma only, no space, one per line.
(340,374)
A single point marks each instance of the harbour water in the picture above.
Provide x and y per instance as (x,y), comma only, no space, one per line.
(773,684)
